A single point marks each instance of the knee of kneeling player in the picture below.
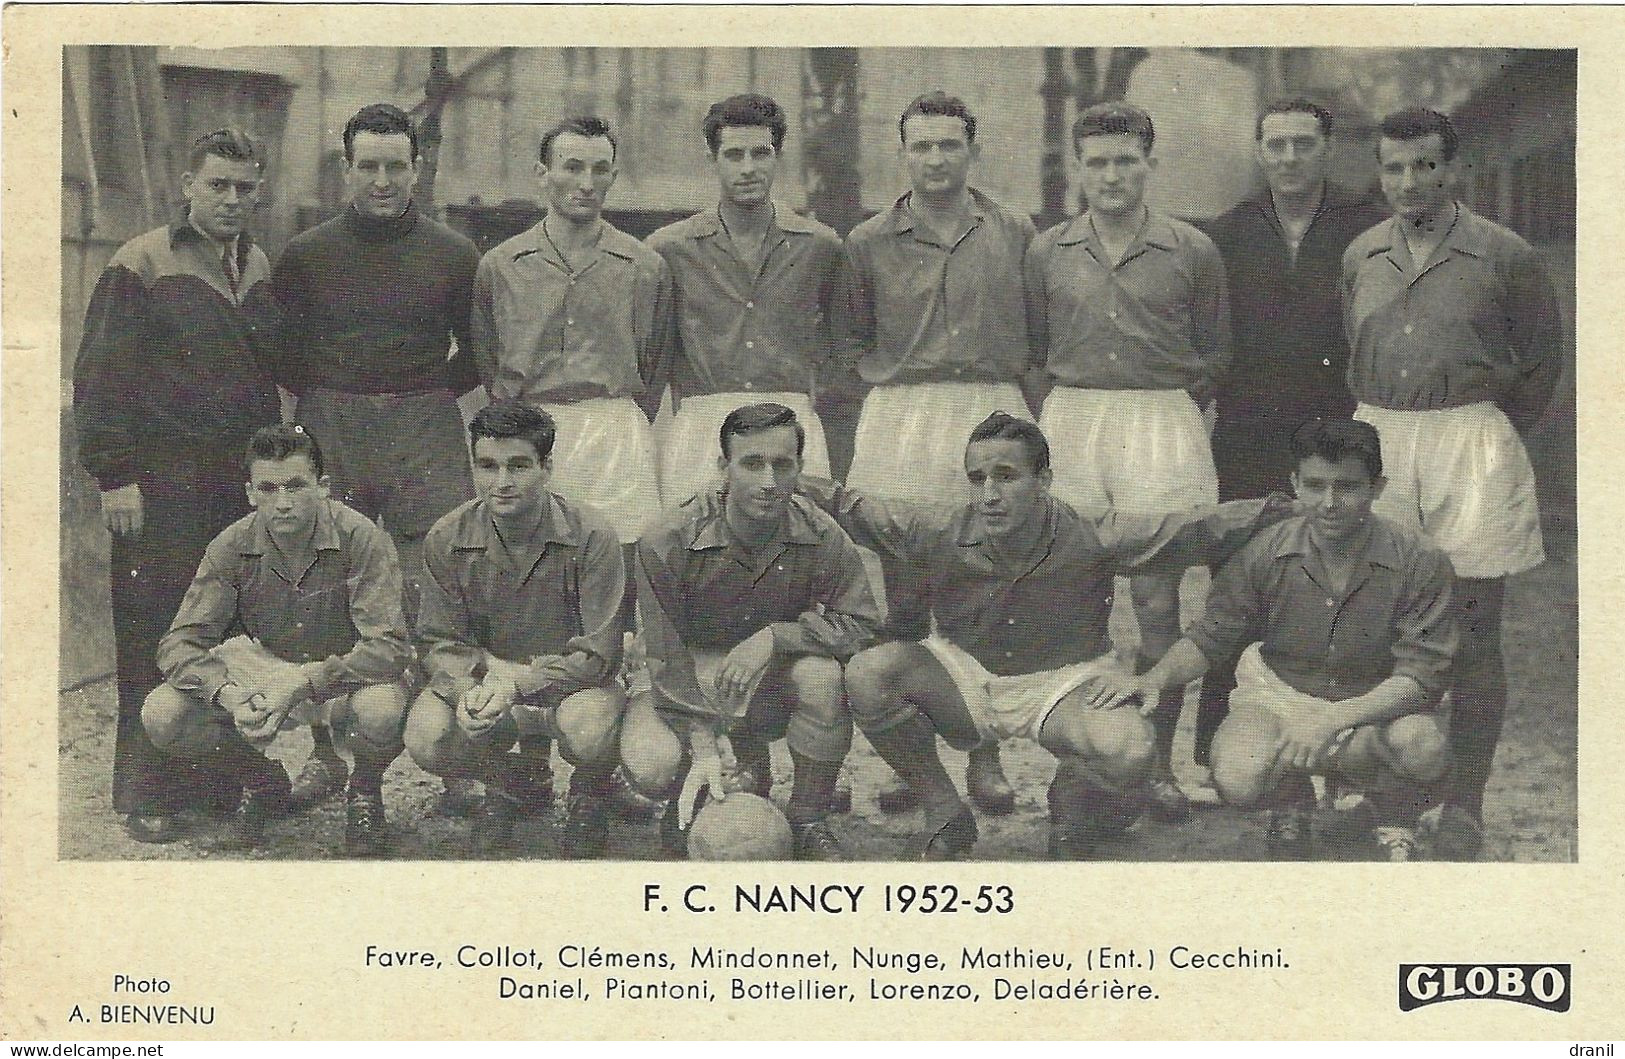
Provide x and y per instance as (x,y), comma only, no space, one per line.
(820,688)
(1418,744)
(1241,788)
(821,725)
(1126,743)
(1239,776)
(869,680)
(587,723)
(428,729)
(163,715)
(651,759)
(1243,756)
(380,714)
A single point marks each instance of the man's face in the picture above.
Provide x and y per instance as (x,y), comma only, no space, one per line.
(380,174)
(510,477)
(1114,172)
(762,470)
(221,194)
(1008,493)
(577,180)
(1338,496)
(287,494)
(1416,179)
(746,163)
(1293,153)
(938,153)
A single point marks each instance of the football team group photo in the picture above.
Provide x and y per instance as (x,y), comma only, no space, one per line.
(821,454)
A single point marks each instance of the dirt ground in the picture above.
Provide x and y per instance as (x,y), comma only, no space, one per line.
(1530,811)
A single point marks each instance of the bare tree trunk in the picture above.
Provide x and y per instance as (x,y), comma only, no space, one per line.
(830,138)
(829,130)
(1052,170)
(436,92)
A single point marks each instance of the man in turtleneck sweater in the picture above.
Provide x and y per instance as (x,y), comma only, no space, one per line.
(371,301)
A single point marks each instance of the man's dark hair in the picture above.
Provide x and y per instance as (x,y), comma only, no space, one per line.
(1002,426)
(586,126)
(1113,119)
(1295,106)
(756,417)
(1334,440)
(938,104)
(279,442)
(744,111)
(234,145)
(502,420)
(385,119)
(1413,123)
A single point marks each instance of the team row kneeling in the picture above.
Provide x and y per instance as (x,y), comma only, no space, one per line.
(758,620)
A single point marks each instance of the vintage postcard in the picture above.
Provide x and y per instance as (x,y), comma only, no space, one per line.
(810,522)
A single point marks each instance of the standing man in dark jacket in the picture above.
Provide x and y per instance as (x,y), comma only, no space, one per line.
(376,345)
(167,389)
(1283,253)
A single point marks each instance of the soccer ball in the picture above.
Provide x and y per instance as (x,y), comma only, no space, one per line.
(744,827)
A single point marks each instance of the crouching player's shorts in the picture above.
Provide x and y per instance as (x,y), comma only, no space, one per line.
(1258,688)
(1017,705)
(1354,752)
(252,667)
(801,700)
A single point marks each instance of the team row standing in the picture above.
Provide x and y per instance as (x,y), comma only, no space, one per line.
(928,306)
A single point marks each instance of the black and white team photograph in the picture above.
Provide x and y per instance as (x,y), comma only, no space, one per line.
(818,454)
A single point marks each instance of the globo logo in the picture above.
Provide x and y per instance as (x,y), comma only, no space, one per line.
(1536,984)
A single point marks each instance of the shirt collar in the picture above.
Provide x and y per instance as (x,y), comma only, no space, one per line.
(326,538)
(1159,233)
(477,532)
(970,535)
(611,241)
(708,223)
(182,231)
(1469,235)
(794,223)
(902,216)
(1381,549)
(708,527)
(1335,197)
(380,229)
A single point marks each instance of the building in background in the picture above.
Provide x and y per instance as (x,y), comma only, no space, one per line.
(130,112)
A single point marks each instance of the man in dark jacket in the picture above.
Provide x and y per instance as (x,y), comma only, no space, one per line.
(1283,252)
(167,388)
